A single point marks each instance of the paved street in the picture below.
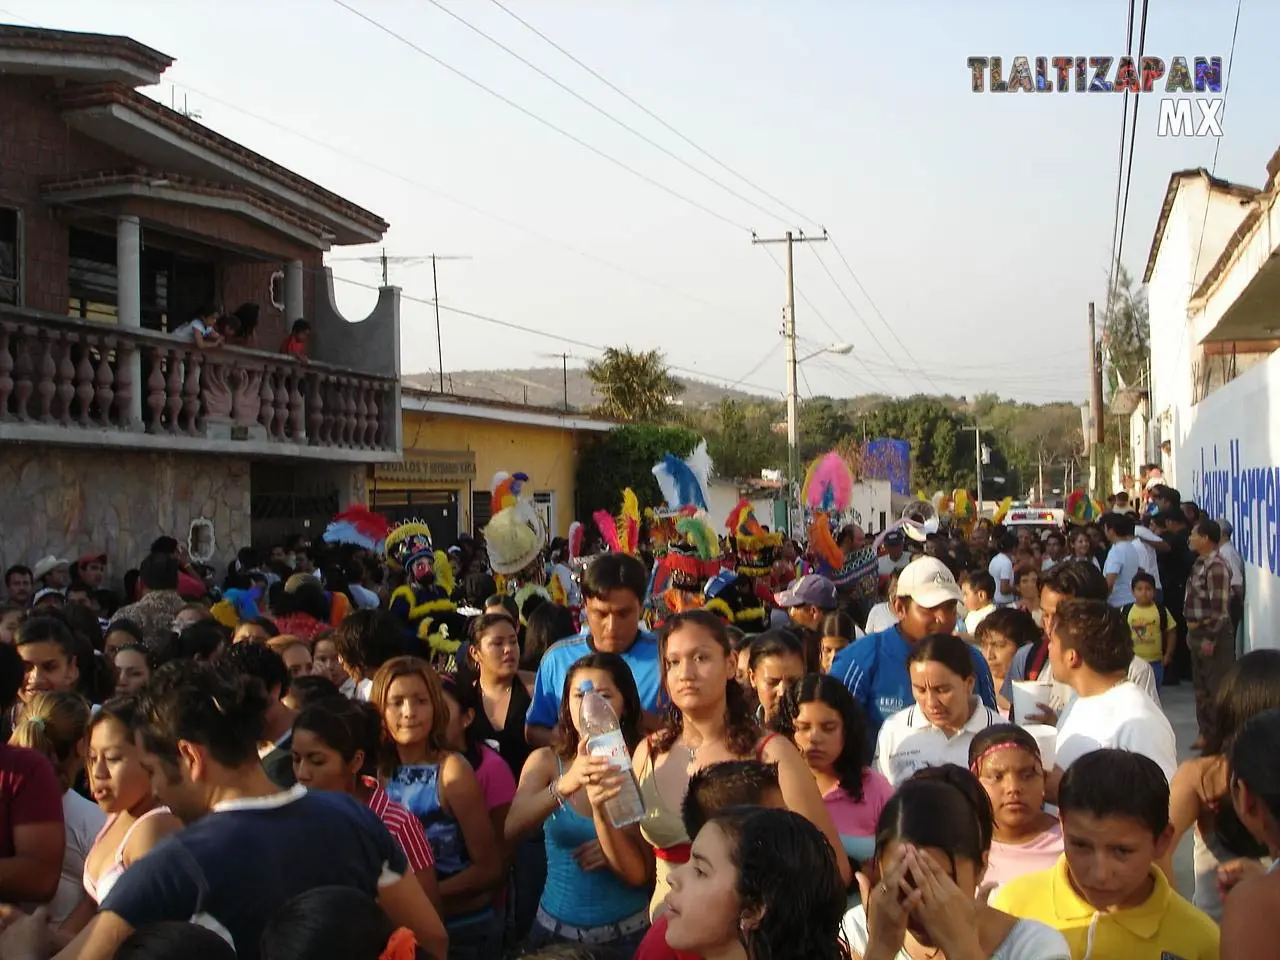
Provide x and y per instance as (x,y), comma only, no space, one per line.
(1179,706)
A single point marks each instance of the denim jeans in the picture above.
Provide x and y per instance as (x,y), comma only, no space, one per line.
(478,937)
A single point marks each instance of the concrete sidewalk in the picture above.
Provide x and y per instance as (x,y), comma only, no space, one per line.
(1179,707)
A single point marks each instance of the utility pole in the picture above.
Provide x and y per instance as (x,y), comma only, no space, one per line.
(435,299)
(1095,438)
(793,400)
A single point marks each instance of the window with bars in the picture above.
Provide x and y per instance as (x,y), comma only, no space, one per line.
(10,256)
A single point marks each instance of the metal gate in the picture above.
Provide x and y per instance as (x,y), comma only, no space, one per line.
(437,508)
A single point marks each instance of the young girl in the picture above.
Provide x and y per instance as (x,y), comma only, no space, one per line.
(920,895)
(709,722)
(134,664)
(999,636)
(335,745)
(827,726)
(54,724)
(761,884)
(120,634)
(776,662)
(597,885)
(946,714)
(494,776)
(838,631)
(121,787)
(438,787)
(1006,761)
(325,663)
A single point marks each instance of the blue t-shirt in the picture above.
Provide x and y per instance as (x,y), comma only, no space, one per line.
(233,869)
(874,668)
(548,685)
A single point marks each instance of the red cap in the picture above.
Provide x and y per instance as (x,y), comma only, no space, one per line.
(92,558)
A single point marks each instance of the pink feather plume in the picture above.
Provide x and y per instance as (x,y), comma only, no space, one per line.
(830,485)
(608,528)
(576,533)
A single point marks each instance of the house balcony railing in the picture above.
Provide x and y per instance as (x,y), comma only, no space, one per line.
(74,381)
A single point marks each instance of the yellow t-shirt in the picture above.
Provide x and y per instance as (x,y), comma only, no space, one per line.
(1144,624)
(1165,927)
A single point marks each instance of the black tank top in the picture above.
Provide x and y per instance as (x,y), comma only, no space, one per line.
(510,741)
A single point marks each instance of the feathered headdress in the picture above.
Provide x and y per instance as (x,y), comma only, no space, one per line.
(576,534)
(623,534)
(822,544)
(828,485)
(1003,509)
(684,482)
(505,491)
(407,542)
(755,545)
(516,535)
(359,526)
(964,513)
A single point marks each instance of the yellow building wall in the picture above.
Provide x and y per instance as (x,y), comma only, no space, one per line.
(547,454)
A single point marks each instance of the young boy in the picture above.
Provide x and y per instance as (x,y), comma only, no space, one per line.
(737,783)
(1154,630)
(979,590)
(296,343)
(1106,895)
(48,651)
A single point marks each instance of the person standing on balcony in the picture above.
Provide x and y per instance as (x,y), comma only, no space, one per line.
(295,344)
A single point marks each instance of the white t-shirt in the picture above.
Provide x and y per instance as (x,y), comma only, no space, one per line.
(1140,675)
(1001,568)
(1143,541)
(975,617)
(83,819)
(1124,717)
(887,566)
(188,330)
(881,618)
(1026,940)
(909,742)
(1123,560)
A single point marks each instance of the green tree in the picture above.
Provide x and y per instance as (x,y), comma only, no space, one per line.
(634,386)
(932,429)
(741,438)
(822,426)
(624,457)
(1126,333)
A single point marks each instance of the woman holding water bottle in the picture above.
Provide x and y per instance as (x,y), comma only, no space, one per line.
(598,875)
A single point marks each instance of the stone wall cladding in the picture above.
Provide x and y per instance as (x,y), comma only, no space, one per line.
(67,502)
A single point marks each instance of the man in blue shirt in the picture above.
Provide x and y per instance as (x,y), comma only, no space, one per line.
(874,668)
(613,588)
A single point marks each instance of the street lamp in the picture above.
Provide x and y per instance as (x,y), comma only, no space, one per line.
(793,417)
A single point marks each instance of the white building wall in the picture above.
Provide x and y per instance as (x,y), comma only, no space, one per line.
(1230,465)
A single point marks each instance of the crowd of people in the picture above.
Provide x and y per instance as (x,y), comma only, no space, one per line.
(944,741)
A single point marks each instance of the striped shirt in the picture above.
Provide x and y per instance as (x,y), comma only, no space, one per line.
(402,825)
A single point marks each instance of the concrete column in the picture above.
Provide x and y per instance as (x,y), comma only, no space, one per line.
(129,300)
(293,291)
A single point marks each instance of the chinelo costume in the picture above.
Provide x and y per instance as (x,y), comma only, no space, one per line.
(516,539)
(422,604)
(755,550)
(827,495)
(686,548)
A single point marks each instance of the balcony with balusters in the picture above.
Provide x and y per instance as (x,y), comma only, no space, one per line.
(66,381)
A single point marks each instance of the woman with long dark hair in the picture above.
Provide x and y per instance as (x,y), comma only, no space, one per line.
(709,721)
(762,885)
(1248,923)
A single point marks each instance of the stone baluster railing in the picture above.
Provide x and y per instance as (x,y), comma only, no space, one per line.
(74,374)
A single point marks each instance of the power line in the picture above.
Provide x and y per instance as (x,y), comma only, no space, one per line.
(1120,167)
(760,363)
(835,245)
(1128,176)
(465,205)
(605,113)
(649,113)
(542,120)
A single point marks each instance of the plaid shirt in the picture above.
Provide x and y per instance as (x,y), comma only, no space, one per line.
(1208,590)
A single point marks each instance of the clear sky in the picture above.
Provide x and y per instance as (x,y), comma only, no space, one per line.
(979,224)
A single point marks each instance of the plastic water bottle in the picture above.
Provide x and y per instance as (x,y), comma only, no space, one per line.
(604,739)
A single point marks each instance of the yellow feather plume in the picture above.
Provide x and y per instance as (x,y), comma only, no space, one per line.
(629,522)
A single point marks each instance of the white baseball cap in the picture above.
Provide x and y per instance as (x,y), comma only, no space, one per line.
(928,582)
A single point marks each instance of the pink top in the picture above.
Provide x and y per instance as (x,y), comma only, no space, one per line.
(1011,860)
(853,819)
(497,783)
(99,887)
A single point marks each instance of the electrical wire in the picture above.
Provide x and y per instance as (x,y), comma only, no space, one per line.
(622,165)
(760,363)
(649,113)
(1120,167)
(605,113)
(1128,177)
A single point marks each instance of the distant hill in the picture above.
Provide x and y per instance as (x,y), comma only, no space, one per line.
(544,387)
